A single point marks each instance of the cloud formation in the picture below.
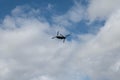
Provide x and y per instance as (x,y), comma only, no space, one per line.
(102,9)
(73,15)
(27,51)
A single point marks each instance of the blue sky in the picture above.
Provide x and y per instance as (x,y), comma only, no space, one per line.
(59,8)
(6,6)
(27,51)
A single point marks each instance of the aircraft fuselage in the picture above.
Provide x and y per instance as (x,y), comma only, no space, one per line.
(60,37)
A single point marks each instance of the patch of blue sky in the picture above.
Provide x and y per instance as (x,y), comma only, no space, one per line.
(61,6)
(48,8)
(57,7)
(84,2)
(83,27)
(7,5)
(95,26)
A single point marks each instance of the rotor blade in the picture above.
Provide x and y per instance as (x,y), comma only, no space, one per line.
(63,40)
(57,33)
(53,37)
(61,35)
(67,35)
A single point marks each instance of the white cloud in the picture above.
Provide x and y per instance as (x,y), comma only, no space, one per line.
(95,10)
(42,78)
(102,53)
(27,51)
(73,15)
(102,9)
(50,6)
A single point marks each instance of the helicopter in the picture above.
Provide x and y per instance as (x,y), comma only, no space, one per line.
(60,36)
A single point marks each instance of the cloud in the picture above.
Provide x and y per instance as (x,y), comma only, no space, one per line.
(102,9)
(50,6)
(73,15)
(103,54)
(91,11)
(27,51)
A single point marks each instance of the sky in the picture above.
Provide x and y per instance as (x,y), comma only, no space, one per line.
(27,51)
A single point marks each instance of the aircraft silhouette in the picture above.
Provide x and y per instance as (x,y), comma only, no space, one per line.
(60,36)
